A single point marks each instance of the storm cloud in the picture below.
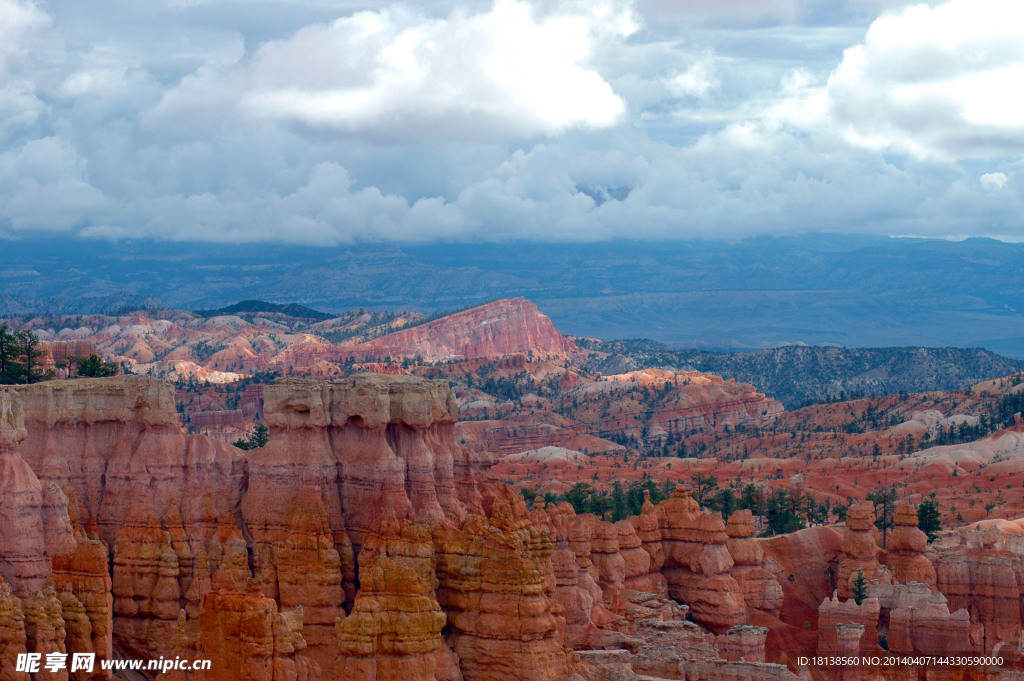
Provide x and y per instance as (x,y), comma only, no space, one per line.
(554,120)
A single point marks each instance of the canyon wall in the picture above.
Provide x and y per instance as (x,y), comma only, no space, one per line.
(362,542)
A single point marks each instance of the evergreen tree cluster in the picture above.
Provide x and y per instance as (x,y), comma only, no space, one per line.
(93,366)
(1000,416)
(21,358)
(783,510)
(617,505)
(928,519)
(257,438)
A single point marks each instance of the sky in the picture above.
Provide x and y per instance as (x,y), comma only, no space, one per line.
(331,122)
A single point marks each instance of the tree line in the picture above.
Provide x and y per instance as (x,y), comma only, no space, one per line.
(22,360)
(783,510)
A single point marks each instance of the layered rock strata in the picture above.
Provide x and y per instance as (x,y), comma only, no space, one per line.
(363,542)
(125,436)
(697,562)
(743,643)
(394,629)
(982,572)
(487,569)
(834,611)
(760,588)
(235,556)
(13,641)
(860,548)
(34,523)
(243,636)
(497,329)
(906,545)
(920,622)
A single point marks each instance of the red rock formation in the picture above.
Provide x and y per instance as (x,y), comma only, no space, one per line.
(146,588)
(640,574)
(306,564)
(681,650)
(244,636)
(848,637)
(648,529)
(23,562)
(45,627)
(760,588)
(905,546)
(980,571)
(397,575)
(697,561)
(12,634)
(498,329)
(369,442)
(860,548)
(607,665)
(834,611)
(223,418)
(40,551)
(61,354)
(743,642)
(84,586)
(125,431)
(920,622)
(486,574)
(574,586)
(456,578)
(294,524)
(504,437)
(34,523)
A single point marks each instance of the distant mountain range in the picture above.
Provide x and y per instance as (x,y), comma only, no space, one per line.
(854,291)
(795,375)
(254,336)
(262,306)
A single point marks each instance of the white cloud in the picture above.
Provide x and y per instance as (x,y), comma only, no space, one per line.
(17,18)
(698,80)
(993,180)
(93,82)
(512,71)
(43,187)
(551,120)
(681,14)
(936,82)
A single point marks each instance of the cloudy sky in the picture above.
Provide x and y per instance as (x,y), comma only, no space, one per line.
(339,121)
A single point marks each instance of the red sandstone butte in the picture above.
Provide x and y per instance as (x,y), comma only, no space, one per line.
(498,329)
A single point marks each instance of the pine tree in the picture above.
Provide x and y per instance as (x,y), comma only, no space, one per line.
(258,438)
(21,358)
(30,356)
(859,588)
(884,500)
(6,356)
(94,366)
(928,519)
(620,509)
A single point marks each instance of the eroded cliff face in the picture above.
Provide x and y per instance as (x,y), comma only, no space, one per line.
(363,542)
(981,571)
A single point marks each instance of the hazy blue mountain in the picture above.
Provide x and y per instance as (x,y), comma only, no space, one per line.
(796,374)
(262,306)
(856,291)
